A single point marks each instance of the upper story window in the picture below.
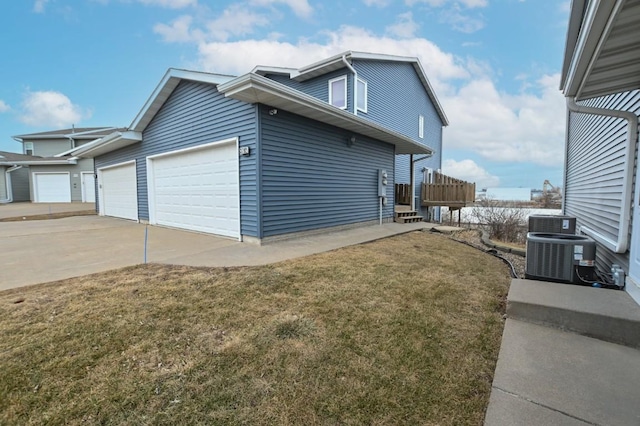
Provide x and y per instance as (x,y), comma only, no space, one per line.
(338,92)
(421,126)
(28,148)
(362,95)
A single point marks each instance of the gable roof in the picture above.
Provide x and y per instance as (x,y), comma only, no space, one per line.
(255,88)
(12,159)
(336,62)
(74,132)
(602,51)
(249,88)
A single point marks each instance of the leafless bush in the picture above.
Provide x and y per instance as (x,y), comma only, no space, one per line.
(502,223)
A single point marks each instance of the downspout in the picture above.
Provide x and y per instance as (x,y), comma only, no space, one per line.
(355,84)
(622,244)
(7,172)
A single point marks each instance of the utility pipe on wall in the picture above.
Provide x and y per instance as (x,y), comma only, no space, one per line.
(622,243)
(355,84)
(7,181)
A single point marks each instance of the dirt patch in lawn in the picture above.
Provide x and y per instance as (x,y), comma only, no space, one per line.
(404,330)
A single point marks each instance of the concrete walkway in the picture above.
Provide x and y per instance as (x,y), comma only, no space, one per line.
(550,372)
(48,250)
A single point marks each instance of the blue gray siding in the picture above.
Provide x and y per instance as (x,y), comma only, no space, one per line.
(197,114)
(318,87)
(594,168)
(20,184)
(311,179)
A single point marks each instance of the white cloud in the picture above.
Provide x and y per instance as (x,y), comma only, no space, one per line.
(470,4)
(38,6)
(527,127)
(300,7)
(379,3)
(241,56)
(236,20)
(179,31)
(3,106)
(170,4)
(471,172)
(460,21)
(405,26)
(50,109)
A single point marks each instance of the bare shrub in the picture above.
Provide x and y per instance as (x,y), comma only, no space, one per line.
(501,222)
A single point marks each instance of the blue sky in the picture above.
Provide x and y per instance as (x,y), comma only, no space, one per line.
(494,64)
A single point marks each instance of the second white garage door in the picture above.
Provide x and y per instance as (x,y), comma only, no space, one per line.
(52,187)
(196,189)
(117,189)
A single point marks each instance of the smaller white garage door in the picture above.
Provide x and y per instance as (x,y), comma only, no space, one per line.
(117,186)
(52,187)
(197,189)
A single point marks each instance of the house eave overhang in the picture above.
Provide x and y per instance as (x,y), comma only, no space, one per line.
(112,142)
(164,89)
(253,88)
(602,52)
(38,162)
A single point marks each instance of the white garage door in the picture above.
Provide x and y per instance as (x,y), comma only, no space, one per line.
(196,189)
(118,191)
(52,187)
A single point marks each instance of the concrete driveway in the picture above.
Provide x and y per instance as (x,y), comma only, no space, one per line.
(31,209)
(48,250)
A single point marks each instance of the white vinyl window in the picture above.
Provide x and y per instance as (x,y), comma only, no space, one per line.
(362,95)
(421,126)
(28,148)
(338,92)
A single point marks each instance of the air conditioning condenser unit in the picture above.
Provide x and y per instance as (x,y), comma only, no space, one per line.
(552,224)
(560,258)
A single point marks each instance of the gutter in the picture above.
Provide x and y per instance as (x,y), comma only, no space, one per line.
(7,172)
(622,243)
(355,83)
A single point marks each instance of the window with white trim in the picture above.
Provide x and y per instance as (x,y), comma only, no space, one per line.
(338,92)
(28,148)
(421,126)
(362,95)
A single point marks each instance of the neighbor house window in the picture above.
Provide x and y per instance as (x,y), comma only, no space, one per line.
(338,92)
(421,126)
(28,148)
(362,95)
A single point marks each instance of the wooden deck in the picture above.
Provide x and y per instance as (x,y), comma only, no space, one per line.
(447,191)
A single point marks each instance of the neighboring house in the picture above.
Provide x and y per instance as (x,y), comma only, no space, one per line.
(49,172)
(272,152)
(601,80)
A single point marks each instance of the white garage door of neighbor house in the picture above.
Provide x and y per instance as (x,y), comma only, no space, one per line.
(52,187)
(117,190)
(196,189)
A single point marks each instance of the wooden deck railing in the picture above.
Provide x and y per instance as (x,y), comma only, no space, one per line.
(443,190)
(403,194)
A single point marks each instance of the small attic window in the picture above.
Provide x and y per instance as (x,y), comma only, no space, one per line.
(362,95)
(338,92)
(28,148)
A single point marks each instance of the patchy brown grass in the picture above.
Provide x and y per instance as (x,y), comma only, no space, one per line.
(404,330)
(48,216)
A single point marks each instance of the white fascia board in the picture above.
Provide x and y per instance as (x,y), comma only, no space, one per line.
(252,87)
(88,134)
(319,65)
(164,89)
(69,151)
(262,70)
(115,140)
(40,163)
(593,30)
(430,92)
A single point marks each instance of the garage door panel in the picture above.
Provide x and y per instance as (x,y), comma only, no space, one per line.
(119,192)
(52,187)
(198,190)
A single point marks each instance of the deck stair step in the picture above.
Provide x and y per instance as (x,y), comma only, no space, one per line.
(408,216)
(609,315)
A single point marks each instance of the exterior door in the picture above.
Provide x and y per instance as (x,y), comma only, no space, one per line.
(88,187)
